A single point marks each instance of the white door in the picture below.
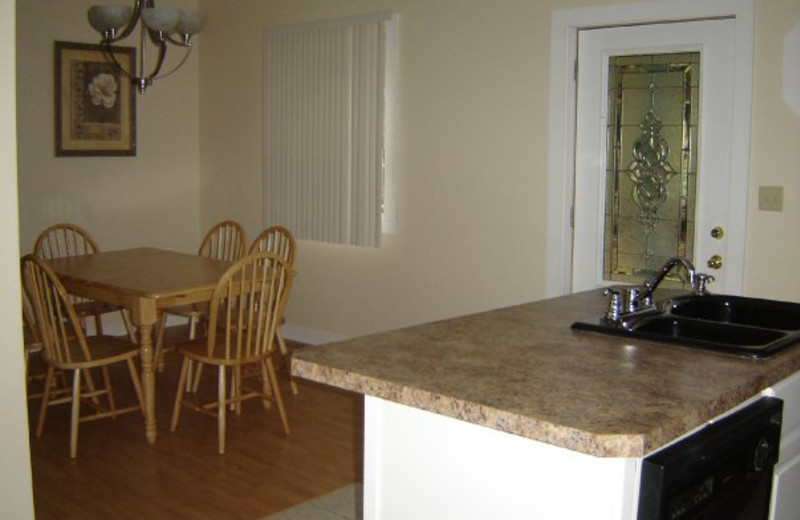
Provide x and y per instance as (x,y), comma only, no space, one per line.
(714,40)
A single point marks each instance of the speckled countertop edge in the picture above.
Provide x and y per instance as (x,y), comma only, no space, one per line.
(501,420)
(621,419)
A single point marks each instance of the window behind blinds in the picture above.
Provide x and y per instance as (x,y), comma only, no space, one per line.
(325,116)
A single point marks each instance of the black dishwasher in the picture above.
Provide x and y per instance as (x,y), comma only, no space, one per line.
(721,472)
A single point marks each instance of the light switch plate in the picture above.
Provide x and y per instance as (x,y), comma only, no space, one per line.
(770,198)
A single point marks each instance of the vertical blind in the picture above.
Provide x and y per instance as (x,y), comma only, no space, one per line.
(324,127)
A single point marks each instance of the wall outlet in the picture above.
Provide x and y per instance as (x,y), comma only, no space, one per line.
(770,198)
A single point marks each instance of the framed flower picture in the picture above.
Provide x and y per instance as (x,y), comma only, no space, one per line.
(95,101)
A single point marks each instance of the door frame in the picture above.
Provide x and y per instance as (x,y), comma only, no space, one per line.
(565,25)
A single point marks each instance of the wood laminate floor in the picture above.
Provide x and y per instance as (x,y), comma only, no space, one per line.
(118,475)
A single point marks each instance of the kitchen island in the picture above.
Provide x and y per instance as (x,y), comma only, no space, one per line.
(511,414)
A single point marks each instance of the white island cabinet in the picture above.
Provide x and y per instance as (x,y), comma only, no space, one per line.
(425,466)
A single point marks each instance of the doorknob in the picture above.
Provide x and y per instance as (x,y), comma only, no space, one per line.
(715,262)
(717,232)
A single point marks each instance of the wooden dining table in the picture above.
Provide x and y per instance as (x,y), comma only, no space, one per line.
(144,280)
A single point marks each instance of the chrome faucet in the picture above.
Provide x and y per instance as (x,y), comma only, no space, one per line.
(633,300)
(651,285)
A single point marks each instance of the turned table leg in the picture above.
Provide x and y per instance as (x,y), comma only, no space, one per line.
(144,316)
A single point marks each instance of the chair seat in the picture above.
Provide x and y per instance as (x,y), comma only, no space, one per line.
(197,350)
(105,350)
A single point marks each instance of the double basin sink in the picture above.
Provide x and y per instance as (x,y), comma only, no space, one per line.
(734,324)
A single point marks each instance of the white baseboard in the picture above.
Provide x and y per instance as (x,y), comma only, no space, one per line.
(310,336)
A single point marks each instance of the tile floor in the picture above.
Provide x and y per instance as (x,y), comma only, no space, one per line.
(342,504)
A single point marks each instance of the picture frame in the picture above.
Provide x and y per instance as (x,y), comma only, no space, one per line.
(95,102)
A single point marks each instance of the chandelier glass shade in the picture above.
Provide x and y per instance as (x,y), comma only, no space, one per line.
(161,26)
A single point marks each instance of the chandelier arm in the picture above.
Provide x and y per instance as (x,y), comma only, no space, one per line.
(162,53)
(142,82)
(108,52)
(173,69)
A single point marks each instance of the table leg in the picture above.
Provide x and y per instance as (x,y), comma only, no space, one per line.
(148,380)
(144,316)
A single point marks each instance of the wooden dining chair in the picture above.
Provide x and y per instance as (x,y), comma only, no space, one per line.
(68,349)
(66,240)
(225,240)
(279,240)
(33,347)
(244,312)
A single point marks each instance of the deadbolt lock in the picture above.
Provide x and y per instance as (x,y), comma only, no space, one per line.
(717,232)
(715,262)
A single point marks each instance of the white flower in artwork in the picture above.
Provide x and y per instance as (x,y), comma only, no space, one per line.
(103,90)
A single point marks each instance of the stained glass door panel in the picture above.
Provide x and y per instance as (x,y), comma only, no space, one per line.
(651,174)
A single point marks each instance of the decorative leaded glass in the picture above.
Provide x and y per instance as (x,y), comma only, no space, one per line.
(651,174)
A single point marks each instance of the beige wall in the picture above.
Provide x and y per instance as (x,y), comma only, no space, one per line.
(150,199)
(16,497)
(472,159)
(773,240)
(471,147)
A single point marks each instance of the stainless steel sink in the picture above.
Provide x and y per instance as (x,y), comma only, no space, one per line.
(734,324)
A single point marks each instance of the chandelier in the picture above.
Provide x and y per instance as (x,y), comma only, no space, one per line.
(163,26)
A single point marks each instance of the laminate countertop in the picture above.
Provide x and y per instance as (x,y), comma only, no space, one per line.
(524,371)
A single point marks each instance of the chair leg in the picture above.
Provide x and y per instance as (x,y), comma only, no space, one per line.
(286,356)
(137,384)
(266,386)
(161,326)
(98,325)
(109,391)
(221,410)
(193,382)
(232,392)
(236,389)
(277,393)
(193,326)
(176,411)
(198,371)
(129,327)
(48,386)
(92,387)
(76,411)
(193,375)
(189,376)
